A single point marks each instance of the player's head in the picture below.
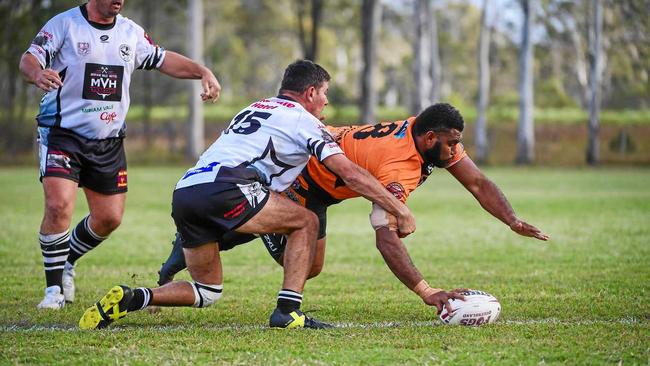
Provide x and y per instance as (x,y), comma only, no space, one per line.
(107,8)
(308,82)
(439,129)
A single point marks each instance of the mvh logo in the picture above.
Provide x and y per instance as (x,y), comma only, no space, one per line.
(103,82)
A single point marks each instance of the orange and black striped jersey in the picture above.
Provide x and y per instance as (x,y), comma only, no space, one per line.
(386,150)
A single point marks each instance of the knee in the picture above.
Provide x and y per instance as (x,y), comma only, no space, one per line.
(205,295)
(58,210)
(309,221)
(107,222)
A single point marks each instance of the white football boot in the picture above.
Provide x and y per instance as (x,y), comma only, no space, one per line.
(68,282)
(53,299)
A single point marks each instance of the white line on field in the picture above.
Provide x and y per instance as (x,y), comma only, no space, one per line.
(404,324)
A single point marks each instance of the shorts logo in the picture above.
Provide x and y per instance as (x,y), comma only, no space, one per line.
(125,52)
(103,82)
(236,211)
(57,161)
(122,179)
(83,48)
(397,190)
(254,192)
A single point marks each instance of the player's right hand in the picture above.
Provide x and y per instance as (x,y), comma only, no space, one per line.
(47,80)
(405,223)
(441,298)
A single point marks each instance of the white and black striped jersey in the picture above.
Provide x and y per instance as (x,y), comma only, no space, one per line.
(276,136)
(95,62)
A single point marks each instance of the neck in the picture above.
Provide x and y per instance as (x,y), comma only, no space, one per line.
(94,15)
(298,97)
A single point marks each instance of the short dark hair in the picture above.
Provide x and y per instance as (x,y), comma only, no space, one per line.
(302,74)
(438,117)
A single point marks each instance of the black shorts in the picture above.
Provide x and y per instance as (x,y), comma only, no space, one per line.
(203,213)
(99,165)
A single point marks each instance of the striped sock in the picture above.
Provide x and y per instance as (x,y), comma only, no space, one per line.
(289,300)
(141,299)
(55,249)
(83,240)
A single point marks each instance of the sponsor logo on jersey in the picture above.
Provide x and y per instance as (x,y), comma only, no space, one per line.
(104,38)
(148,38)
(103,82)
(397,190)
(42,38)
(108,117)
(125,52)
(98,108)
(122,180)
(83,48)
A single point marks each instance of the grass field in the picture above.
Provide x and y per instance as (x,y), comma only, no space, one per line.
(581,298)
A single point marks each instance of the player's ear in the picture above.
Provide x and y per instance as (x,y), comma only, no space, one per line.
(430,137)
(310,92)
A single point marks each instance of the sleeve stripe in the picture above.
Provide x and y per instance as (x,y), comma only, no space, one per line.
(152,61)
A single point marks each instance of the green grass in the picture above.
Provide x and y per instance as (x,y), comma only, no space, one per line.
(582,298)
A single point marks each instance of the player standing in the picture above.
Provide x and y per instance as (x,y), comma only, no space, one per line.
(83,59)
(233,188)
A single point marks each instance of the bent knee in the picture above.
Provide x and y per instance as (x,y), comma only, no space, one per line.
(205,295)
(107,223)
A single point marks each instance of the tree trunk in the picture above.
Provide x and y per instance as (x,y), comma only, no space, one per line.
(370,22)
(195,130)
(316,15)
(435,72)
(595,48)
(421,59)
(483,88)
(526,130)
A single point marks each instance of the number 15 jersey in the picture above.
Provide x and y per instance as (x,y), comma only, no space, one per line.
(275,136)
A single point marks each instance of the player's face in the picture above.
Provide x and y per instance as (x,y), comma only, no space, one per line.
(109,8)
(444,147)
(317,100)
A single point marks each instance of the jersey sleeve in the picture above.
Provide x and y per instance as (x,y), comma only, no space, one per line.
(148,55)
(316,138)
(48,41)
(459,154)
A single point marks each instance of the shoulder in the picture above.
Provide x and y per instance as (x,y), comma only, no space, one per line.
(127,23)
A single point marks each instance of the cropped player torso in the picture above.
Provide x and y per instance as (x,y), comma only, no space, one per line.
(386,150)
(275,136)
(95,63)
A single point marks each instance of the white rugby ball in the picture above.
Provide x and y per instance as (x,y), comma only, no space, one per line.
(478,308)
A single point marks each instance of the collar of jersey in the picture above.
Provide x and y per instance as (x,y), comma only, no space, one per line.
(96,25)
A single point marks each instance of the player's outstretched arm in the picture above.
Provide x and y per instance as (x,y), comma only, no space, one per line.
(398,260)
(181,67)
(362,182)
(33,73)
(491,198)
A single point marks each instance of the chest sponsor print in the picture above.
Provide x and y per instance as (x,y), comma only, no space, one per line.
(103,82)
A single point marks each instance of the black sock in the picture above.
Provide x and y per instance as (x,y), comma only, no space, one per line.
(54,248)
(289,300)
(141,299)
(83,240)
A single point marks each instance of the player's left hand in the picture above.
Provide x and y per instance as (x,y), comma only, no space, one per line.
(441,298)
(525,229)
(211,87)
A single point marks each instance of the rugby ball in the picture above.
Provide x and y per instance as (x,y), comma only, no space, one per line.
(478,308)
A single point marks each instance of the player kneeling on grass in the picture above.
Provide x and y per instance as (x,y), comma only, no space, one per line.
(233,188)
(401,155)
